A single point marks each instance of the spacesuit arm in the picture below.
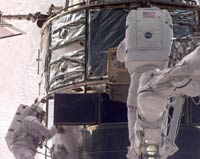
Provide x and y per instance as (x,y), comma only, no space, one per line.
(31,124)
(121,52)
(181,79)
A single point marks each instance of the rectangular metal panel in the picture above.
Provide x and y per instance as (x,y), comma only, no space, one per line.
(112,111)
(75,109)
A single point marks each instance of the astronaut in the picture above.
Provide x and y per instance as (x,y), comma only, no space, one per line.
(181,79)
(146,46)
(26,132)
(68,144)
(155,88)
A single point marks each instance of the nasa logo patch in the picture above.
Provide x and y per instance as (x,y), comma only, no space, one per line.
(148,35)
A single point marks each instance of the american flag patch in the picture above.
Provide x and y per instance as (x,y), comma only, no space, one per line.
(149,14)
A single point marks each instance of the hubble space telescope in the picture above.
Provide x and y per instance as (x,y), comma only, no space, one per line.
(86,83)
(86,86)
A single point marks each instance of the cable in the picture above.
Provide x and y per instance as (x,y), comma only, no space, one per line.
(42,153)
(46,147)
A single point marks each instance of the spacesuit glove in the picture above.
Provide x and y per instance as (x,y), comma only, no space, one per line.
(60,129)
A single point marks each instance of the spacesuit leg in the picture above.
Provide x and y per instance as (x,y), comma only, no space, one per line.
(22,152)
(135,75)
(132,104)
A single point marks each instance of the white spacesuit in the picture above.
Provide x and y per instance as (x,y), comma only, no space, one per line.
(147,45)
(155,88)
(181,79)
(68,144)
(60,152)
(26,131)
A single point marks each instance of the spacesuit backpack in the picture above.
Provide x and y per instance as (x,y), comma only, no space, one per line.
(149,35)
(15,127)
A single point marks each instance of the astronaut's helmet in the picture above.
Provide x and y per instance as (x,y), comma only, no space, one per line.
(37,111)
